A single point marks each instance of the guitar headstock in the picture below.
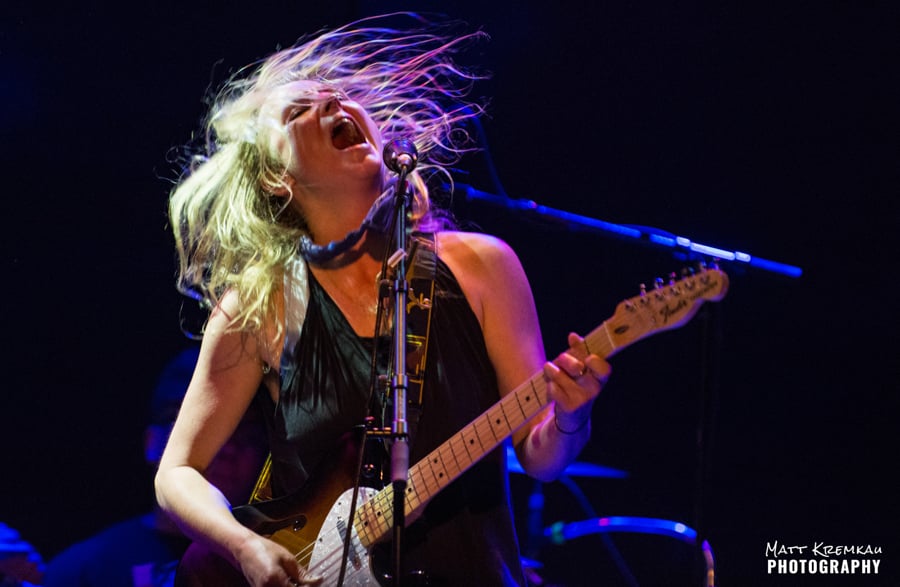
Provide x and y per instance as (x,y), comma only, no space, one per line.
(668,305)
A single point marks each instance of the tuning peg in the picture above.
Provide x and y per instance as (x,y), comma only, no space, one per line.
(643,297)
(674,285)
(658,288)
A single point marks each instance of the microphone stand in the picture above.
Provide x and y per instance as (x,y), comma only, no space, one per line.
(644,235)
(399,379)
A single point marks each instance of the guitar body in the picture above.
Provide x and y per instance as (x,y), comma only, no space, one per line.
(311,523)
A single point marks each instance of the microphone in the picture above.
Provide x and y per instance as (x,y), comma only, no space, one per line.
(400,155)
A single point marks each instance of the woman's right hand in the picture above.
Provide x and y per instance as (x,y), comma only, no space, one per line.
(268,564)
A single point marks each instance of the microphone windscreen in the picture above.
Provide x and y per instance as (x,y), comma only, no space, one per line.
(400,154)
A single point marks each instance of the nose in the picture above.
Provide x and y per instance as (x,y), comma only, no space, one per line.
(332,104)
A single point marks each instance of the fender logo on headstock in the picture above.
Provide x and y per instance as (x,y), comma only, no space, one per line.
(667,311)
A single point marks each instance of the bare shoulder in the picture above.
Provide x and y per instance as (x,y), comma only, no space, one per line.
(475,250)
(262,345)
(482,264)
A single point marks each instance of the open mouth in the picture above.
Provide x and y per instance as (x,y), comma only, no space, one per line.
(346,133)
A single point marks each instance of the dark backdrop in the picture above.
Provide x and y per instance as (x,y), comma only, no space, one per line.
(768,128)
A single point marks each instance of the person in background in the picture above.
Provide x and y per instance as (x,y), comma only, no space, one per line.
(143,551)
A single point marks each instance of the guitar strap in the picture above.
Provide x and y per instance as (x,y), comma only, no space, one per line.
(420,299)
(420,276)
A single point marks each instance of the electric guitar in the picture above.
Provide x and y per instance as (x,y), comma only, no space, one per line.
(312,523)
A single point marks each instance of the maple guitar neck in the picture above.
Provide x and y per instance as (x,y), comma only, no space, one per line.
(664,308)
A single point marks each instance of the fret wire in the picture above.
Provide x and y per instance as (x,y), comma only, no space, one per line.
(496,419)
(474,433)
(520,415)
(430,489)
(484,422)
(409,496)
(433,462)
(445,461)
(461,456)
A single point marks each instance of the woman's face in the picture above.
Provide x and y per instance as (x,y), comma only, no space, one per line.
(329,140)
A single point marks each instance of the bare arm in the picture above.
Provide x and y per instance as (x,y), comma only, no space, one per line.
(498,291)
(227,376)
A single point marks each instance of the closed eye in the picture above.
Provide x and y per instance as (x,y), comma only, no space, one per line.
(297,109)
(301,106)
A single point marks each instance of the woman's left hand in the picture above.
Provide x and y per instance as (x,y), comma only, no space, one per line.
(577,377)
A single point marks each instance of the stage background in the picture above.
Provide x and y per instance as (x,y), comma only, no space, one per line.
(769,128)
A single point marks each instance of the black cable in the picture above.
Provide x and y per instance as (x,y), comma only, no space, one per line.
(611,547)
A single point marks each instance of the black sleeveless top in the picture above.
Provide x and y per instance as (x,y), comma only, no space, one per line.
(466,532)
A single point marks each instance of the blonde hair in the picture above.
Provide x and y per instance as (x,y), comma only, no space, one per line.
(231,232)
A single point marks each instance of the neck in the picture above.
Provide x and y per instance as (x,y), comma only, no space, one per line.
(351,280)
(332,214)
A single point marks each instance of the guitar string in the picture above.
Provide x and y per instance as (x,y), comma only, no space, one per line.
(330,558)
